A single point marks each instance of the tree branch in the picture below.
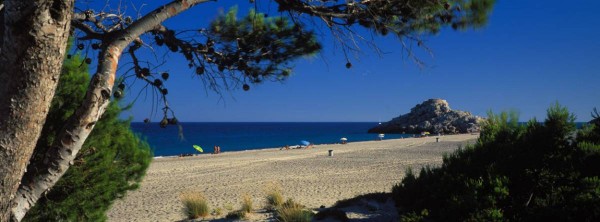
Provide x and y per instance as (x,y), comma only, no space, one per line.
(58,158)
(90,33)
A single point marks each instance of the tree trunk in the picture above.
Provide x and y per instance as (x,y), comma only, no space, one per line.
(70,139)
(34,38)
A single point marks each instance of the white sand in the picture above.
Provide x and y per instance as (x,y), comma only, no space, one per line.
(308,176)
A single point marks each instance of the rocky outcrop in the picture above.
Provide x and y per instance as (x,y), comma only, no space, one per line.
(434,116)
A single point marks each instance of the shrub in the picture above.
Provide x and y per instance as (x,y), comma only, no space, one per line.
(228,207)
(217,211)
(414,217)
(112,161)
(247,205)
(332,214)
(236,215)
(379,197)
(292,211)
(195,205)
(515,172)
(274,197)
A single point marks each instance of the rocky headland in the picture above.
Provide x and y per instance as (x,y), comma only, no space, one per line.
(434,116)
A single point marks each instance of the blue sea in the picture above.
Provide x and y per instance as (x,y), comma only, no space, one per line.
(250,135)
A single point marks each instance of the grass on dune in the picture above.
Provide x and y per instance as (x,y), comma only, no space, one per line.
(195,205)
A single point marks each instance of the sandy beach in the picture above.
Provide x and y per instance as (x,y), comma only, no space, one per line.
(309,176)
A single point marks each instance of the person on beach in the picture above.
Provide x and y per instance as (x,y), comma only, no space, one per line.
(218,149)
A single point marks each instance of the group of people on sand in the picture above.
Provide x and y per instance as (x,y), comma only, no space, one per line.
(217,150)
(287,147)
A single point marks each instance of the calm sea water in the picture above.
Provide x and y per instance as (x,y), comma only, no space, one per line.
(247,136)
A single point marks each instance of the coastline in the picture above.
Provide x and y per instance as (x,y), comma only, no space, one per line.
(308,176)
(237,136)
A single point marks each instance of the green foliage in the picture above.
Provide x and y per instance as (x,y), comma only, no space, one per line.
(538,171)
(403,18)
(260,47)
(71,88)
(112,161)
(413,217)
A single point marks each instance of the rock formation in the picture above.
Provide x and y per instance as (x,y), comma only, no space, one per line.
(434,116)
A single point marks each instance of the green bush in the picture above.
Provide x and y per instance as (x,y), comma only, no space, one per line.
(112,161)
(537,171)
(195,205)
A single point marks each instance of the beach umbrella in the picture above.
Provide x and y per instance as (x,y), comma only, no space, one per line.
(343,139)
(198,148)
(304,142)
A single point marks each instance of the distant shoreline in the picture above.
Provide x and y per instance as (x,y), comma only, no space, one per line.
(282,147)
(268,122)
(578,123)
(235,136)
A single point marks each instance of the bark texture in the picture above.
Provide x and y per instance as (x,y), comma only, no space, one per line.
(33,45)
(43,175)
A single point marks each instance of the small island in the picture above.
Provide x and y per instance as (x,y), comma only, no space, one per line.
(433,115)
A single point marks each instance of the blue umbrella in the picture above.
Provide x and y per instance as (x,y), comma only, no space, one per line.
(304,142)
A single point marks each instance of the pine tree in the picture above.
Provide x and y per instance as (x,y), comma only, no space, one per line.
(112,161)
(541,171)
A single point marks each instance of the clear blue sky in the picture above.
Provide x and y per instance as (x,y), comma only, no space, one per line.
(530,55)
